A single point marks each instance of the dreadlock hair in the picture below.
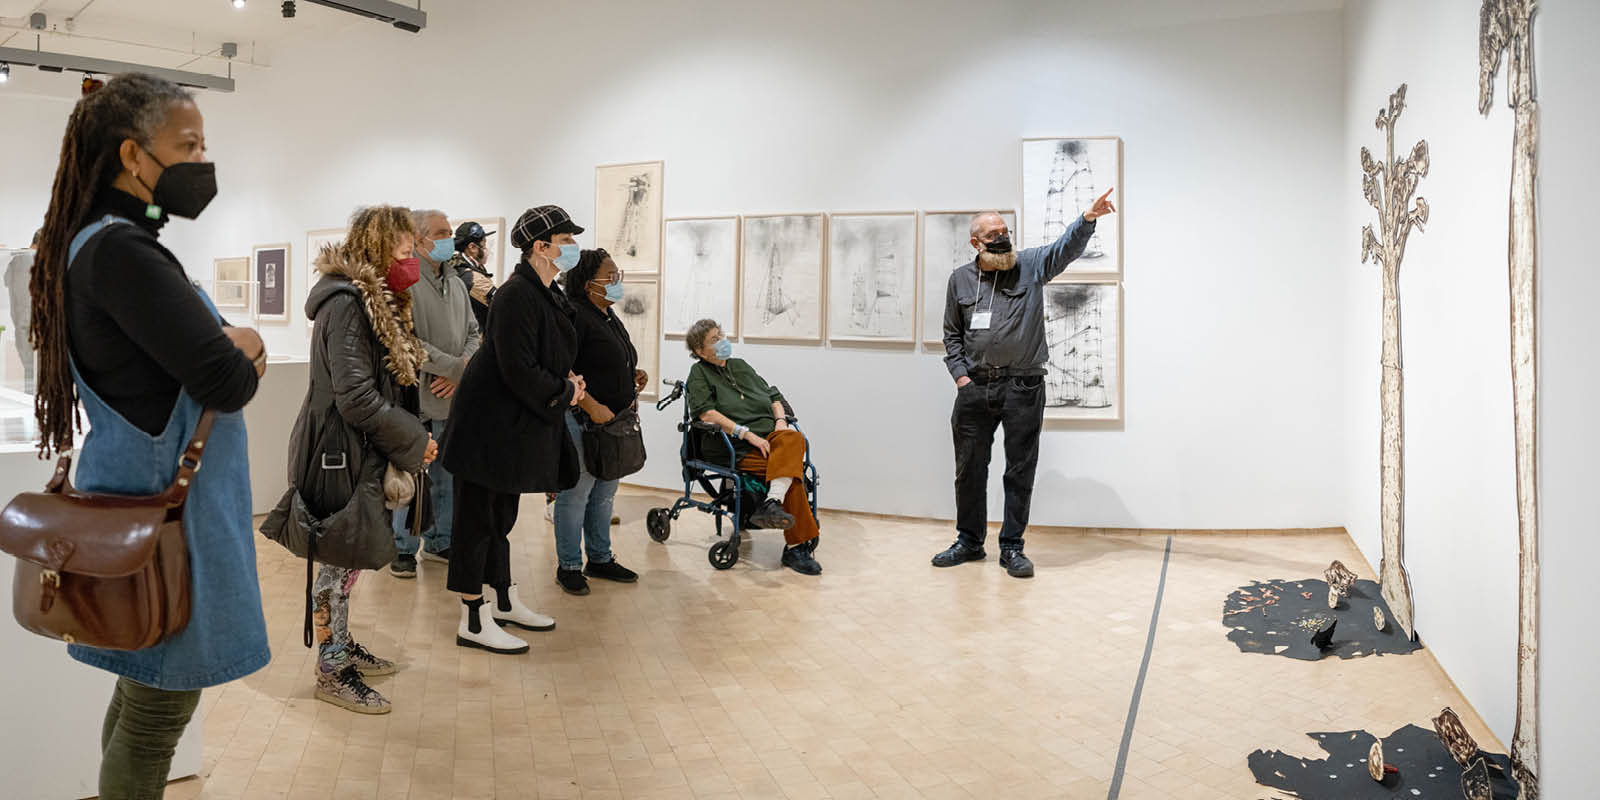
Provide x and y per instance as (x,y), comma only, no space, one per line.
(131,106)
(576,281)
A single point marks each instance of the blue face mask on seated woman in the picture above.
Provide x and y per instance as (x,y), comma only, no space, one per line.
(724,349)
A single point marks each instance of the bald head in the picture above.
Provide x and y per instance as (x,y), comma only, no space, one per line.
(985,221)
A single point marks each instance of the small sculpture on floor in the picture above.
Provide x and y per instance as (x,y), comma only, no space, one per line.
(1340,580)
(1323,638)
(1379,621)
(1463,748)
(1375,765)
(1475,782)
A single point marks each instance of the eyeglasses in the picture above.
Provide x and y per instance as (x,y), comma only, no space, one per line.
(615,279)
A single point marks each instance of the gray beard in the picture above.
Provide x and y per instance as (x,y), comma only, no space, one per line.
(996,262)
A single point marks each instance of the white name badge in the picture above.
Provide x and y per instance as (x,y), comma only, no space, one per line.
(980,320)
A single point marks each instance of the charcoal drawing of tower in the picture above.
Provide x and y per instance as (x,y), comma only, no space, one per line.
(875,287)
(1075,333)
(1070,169)
(774,303)
(632,224)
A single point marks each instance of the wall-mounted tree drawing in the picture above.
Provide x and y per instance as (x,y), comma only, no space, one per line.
(1388,186)
(1506,26)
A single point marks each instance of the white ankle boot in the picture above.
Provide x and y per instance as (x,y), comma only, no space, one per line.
(519,615)
(488,635)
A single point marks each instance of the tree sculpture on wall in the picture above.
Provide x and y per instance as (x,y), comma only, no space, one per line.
(1388,186)
(1506,26)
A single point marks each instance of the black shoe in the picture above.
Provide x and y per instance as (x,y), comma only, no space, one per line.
(572,581)
(404,566)
(798,558)
(442,557)
(610,571)
(959,553)
(1017,565)
(770,515)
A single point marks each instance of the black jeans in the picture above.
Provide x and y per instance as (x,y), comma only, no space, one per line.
(1018,405)
(480,547)
(139,737)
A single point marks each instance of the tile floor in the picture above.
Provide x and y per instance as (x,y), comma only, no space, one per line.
(884,678)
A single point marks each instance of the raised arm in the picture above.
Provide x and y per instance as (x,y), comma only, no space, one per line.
(1070,246)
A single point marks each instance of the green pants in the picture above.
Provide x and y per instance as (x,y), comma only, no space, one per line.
(141,733)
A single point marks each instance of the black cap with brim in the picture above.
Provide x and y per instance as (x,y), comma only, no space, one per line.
(542,222)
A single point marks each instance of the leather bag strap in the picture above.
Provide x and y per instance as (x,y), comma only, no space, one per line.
(189,462)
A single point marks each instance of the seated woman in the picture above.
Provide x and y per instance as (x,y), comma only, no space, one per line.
(727,392)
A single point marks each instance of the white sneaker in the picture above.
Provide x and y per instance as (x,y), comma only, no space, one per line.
(488,635)
(519,615)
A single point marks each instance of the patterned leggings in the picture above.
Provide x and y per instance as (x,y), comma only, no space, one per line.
(331,613)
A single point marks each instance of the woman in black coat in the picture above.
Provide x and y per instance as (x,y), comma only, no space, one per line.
(507,433)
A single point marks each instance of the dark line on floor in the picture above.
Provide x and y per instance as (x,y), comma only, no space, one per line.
(1138,685)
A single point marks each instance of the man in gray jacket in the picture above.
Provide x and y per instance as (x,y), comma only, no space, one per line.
(449,332)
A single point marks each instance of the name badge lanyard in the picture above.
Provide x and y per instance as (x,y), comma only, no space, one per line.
(981,319)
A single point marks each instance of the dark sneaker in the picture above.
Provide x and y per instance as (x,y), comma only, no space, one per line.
(572,581)
(770,515)
(799,558)
(610,571)
(404,566)
(616,520)
(346,689)
(1017,565)
(441,557)
(367,664)
(959,553)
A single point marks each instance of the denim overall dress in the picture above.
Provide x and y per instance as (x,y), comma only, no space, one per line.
(227,635)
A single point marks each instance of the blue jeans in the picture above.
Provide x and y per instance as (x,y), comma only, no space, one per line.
(436,538)
(584,511)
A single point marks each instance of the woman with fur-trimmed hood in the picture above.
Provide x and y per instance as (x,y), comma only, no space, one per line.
(365,360)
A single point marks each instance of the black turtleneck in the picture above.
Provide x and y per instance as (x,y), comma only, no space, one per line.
(139,330)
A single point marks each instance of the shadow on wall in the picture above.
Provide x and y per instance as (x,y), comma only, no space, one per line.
(1088,503)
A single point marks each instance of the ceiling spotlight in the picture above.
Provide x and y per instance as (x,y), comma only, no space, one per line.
(5,72)
(238,3)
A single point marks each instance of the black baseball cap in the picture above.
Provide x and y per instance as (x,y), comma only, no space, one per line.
(542,222)
(470,233)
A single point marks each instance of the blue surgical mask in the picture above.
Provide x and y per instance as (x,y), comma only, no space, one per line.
(614,292)
(724,350)
(568,258)
(442,250)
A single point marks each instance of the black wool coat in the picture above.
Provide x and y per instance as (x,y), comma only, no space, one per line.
(507,430)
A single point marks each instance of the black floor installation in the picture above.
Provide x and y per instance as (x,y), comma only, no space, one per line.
(1279,617)
(1426,768)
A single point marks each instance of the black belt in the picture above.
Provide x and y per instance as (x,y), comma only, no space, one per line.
(982,373)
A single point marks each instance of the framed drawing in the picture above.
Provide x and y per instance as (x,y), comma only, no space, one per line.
(271,263)
(781,298)
(230,288)
(1083,328)
(872,277)
(627,214)
(700,274)
(494,245)
(315,241)
(640,312)
(946,244)
(1060,179)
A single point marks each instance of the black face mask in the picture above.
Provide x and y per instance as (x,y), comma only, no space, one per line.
(185,188)
(1000,246)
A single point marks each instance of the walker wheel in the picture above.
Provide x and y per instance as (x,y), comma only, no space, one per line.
(723,555)
(659,523)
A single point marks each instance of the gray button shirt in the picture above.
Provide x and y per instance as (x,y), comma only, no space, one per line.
(1015,300)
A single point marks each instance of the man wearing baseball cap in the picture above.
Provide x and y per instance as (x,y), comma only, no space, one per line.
(507,434)
(469,264)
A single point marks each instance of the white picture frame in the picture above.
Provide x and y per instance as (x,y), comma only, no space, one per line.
(872,277)
(700,274)
(628,214)
(782,277)
(1085,371)
(270,268)
(1061,178)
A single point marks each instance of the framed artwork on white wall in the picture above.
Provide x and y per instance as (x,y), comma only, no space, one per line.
(271,262)
(946,244)
(872,277)
(700,274)
(315,241)
(627,214)
(781,274)
(231,284)
(1084,371)
(640,312)
(1061,177)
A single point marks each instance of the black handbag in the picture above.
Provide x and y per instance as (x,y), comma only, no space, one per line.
(614,450)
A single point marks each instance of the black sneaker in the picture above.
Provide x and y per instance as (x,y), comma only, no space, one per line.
(1017,565)
(799,558)
(572,581)
(610,571)
(442,557)
(959,553)
(404,566)
(770,515)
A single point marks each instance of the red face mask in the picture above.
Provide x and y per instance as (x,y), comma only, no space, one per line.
(403,273)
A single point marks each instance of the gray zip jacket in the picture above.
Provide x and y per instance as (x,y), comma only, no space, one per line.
(448,330)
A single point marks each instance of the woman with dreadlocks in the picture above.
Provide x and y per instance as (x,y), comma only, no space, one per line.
(119,328)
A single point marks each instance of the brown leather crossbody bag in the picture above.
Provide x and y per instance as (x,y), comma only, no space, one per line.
(103,570)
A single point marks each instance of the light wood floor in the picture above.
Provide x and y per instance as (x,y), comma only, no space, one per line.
(885,677)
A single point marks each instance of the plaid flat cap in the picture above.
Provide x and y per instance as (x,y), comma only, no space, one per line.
(540,223)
